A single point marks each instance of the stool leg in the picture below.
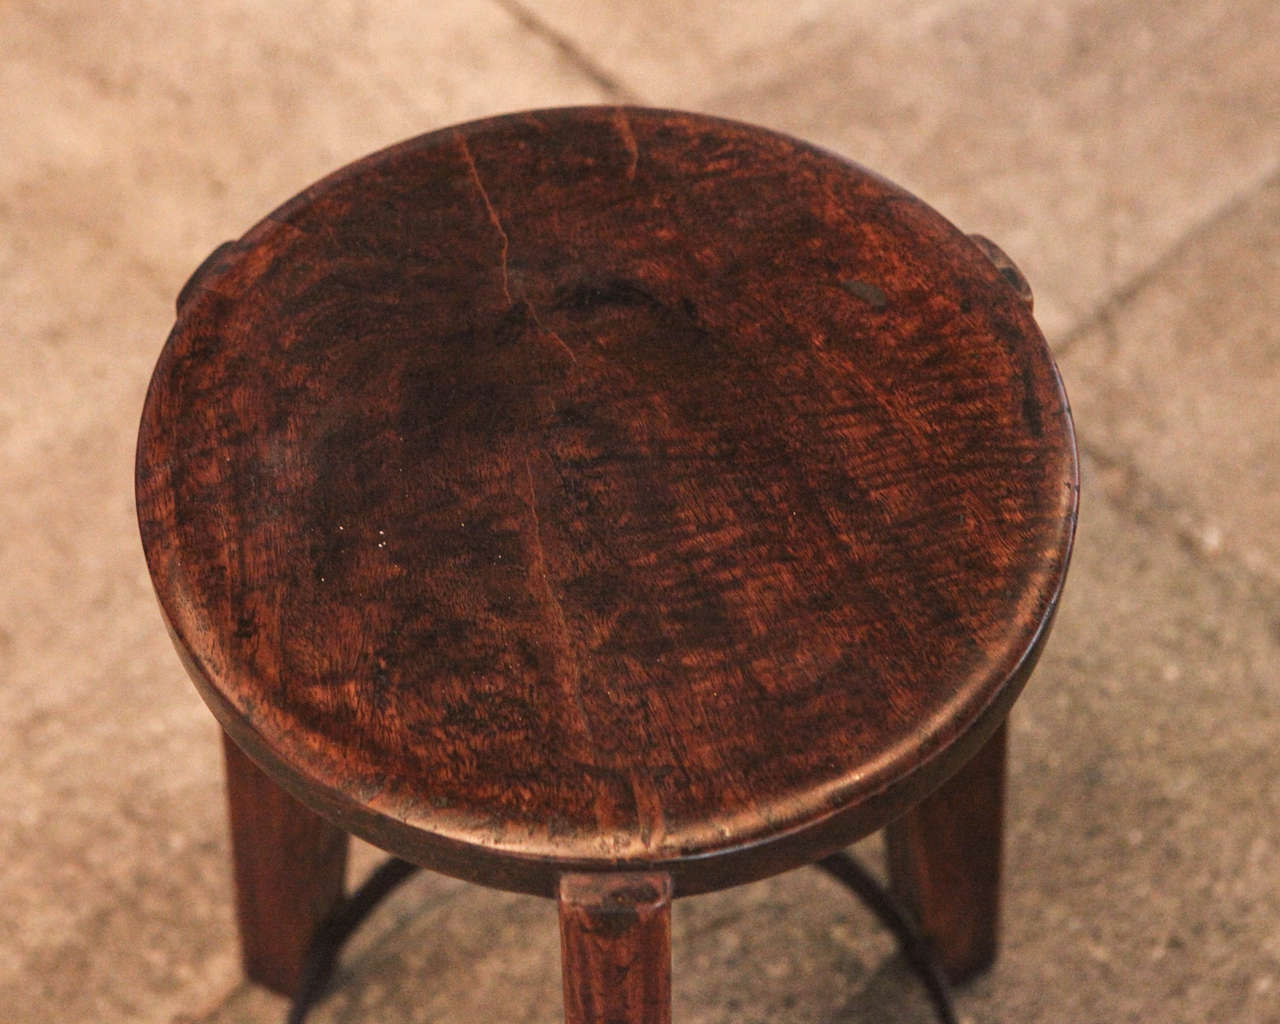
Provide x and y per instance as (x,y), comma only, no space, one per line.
(289,868)
(615,944)
(944,862)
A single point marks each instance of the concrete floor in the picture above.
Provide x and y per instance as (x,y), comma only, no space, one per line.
(1126,154)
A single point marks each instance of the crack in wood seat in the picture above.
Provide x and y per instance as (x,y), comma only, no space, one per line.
(607,489)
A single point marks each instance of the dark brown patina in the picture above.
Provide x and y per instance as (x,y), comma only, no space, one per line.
(607,488)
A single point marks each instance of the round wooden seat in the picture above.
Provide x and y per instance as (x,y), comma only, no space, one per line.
(600,491)
(604,487)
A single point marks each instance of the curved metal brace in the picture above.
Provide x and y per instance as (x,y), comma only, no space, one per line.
(915,948)
(322,959)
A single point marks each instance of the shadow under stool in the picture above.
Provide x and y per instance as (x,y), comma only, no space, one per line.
(613,505)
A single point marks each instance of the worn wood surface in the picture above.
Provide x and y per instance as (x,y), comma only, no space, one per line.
(289,867)
(944,861)
(615,945)
(607,487)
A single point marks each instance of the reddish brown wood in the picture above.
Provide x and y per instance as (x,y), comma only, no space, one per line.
(944,861)
(289,870)
(607,487)
(615,943)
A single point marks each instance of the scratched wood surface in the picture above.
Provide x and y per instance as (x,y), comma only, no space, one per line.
(615,948)
(607,487)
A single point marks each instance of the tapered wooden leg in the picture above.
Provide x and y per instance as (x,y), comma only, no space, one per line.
(944,862)
(289,868)
(615,943)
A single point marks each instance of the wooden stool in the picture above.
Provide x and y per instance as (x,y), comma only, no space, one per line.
(612,505)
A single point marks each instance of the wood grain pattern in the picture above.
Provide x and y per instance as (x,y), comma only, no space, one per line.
(290,867)
(944,861)
(607,487)
(615,942)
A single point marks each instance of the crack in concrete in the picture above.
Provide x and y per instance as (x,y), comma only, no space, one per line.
(1112,188)
(1118,297)
(1143,497)
(608,83)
